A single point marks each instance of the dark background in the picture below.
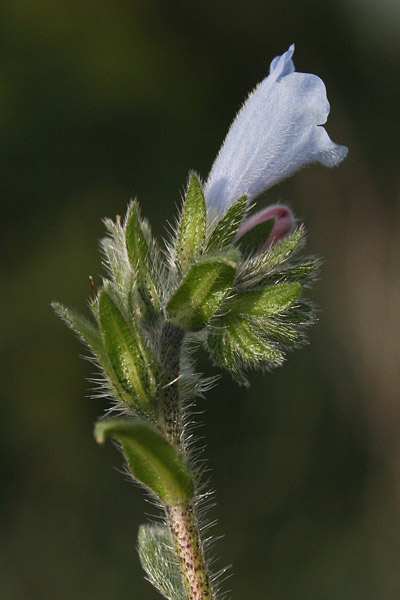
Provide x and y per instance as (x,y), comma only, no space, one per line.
(101,101)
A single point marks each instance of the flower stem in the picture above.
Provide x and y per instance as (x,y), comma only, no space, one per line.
(185,532)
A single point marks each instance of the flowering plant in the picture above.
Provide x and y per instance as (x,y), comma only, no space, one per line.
(228,280)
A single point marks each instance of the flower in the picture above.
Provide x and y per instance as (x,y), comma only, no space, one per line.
(277,131)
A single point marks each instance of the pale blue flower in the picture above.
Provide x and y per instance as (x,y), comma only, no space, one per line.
(277,131)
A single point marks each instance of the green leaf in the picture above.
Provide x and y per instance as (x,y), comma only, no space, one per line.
(159,560)
(256,236)
(141,250)
(115,252)
(236,344)
(206,285)
(226,229)
(91,336)
(88,333)
(266,302)
(131,359)
(192,227)
(152,460)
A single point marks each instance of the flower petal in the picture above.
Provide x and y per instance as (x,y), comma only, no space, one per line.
(276,132)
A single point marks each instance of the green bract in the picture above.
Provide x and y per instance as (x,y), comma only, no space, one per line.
(128,353)
(264,302)
(223,234)
(192,226)
(140,250)
(201,292)
(152,460)
(239,344)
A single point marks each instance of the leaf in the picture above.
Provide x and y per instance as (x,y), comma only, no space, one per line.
(226,229)
(152,460)
(88,333)
(256,236)
(131,359)
(141,250)
(159,560)
(192,227)
(266,302)
(115,254)
(206,285)
(136,243)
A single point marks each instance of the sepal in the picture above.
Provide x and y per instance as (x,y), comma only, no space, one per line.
(152,460)
(202,291)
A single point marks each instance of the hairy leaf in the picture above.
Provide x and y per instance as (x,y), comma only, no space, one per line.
(152,460)
(140,249)
(159,560)
(192,227)
(227,227)
(116,257)
(206,285)
(88,333)
(238,344)
(265,302)
(258,269)
(298,272)
(131,359)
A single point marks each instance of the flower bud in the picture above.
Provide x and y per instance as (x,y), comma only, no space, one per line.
(283,223)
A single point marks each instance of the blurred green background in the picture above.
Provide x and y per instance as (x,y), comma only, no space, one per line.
(104,100)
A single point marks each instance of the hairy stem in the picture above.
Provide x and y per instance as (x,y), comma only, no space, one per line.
(185,532)
(181,519)
(170,424)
